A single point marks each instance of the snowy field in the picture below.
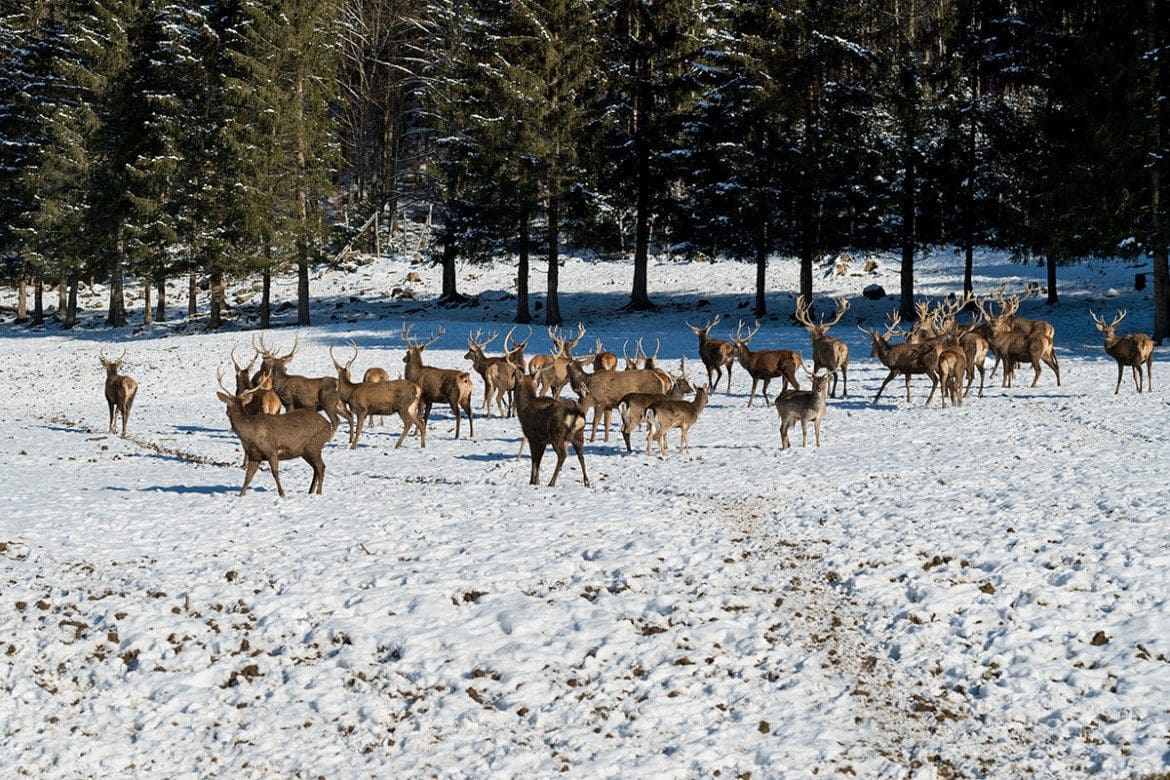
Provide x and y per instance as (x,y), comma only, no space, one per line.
(979,591)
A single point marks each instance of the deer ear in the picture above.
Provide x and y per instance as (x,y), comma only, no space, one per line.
(227,399)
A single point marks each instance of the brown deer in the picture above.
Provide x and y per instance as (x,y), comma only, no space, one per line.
(496,372)
(244,378)
(604,390)
(829,353)
(804,406)
(515,352)
(631,363)
(302,392)
(766,364)
(438,384)
(120,390)
(633,406)
(952,369)
(973,338)
(1024,326)
(715,354)
(265,401)
(1014,346)
(666,414)
(1132,350)
(602,360)
(905,359)
(395,396)
(545,421)
(301,433)
(554,376)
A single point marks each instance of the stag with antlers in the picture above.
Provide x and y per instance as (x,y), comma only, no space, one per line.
(905,359)
(1133,350)
(766,364)
(555,374)
(496,372)
(1014,344)
(544,421)
(302,392)
(438,384)
(829,353)
(715,354)
(365,399)
(120,390)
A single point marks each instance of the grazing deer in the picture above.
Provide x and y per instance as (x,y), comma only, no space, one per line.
(905,359)
(1132,350)
(828,353)
(633,406)
(1014,346)
(554,376)
(604,390)
(496,372)
(766,364)
(302,392)
(365,399)
(545,421)
(715,354)
(301,433)
(602,360)
(120,390)
(803,405)
(438,384)
(667,414)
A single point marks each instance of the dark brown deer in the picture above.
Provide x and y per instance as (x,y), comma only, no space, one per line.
(120,390)
(829,353)
(904,359)
(545,421)
(766,364)
(301,433)
(715,354)
(1132,350)
(439,385)
(302,392)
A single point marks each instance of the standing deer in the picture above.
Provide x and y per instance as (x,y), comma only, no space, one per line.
(766,364)
(546,421)
(120,390)
(952,369)
(1014,346)
(1022,325)
(633,406)
(715,354)
(602,360)
(302,392)
(365,399)
(667,414)
(604,390)
(555,375)
(803,405)
(905,359)
(375,374)
(301,433)
(438,384)
(1132,350)
(828,353)
(496,372)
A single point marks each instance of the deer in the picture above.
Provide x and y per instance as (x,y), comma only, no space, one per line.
(375,374)
(633,406)
(1026,327)
(301,433)
(952,369)
(715,354)
(1014,346)
(555,375)
(828,353)
(545,421)
(120,390)
(631,363)
(1132,350)
(604,390)
(766,364)
(302,392)
(244,378)
(973,338)
(803,405)
(265,401)
(365,399)
(602,360)
(496,372)
(666,414)
(515,352)
(905,359)
(438,384)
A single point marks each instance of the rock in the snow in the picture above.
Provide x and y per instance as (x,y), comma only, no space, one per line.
(1111,293)
(414,276)
(874,292)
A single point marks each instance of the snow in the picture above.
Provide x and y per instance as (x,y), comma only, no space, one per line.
(922,594)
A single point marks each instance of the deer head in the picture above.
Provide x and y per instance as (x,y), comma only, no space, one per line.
(415,348)
(705,331)
(343,371)
(111,366)
(564,345)
(1110,329)
(821,329)
(476,345)
(742,341)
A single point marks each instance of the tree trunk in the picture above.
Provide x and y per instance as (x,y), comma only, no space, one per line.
(761,307)
(38,317)
(1053,300)
(302,209)
(21,297)
(552,304)
(62,296)
(1159,252)
(522,315)
(147,311)
(192,291)
(162,298)
(302,284)
(909,85)
(71,305)
(639,296)
(450,253)
(266,300)
(116,316)
(217,300)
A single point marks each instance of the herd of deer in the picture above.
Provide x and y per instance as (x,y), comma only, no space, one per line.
(938,346)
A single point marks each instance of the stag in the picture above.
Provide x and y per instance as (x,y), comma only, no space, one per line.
(633,406)
(438,384)
(555,375)
(302,392)
(120,390)
(365,399)
(766,364)
(301,433)
(829,353)
(715,354)
(496,372)
(905,359)
(1014,346)
(604,390)
(545,421)
(1132,350)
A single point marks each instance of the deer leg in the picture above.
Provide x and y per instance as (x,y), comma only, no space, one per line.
(313,483)
(250,467)
(111,428)
(357,432)
(125,419)
(1137,380)
(458,417)
(709,373)
(891,375)
(1054,364)
(845,383)
(803,432)
(685,445)
(729,377)
(817,428)
(784,423)
(1150,374)
(608,417)
(753,393)
(404,415)
(1036,368)
(272,464)
(579,448)
(562,450)
(470,420)
(523,441)
(593,430)
(537,455)
(768,381)
(908,391)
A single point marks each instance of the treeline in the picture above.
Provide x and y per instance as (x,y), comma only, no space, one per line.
(231,138)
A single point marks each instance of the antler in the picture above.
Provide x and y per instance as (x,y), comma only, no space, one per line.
(657,349)
(842,307)
(892,329)
(507,338)
(237,365)
(406,329)
(641,353)
(802,312)
(751,333)
(442,332)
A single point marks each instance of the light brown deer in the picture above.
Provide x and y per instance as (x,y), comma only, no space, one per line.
(604,390)
(1132,350)
(633,406)
(515,352)
(1014,346)
(365,399)
(554,376)
(804,406)
(302,392)
(120,390)
(375,374)
(301,433)
(1022,325)
(496,372)
(952,369)
(438,384)
(715,354)
(829,353)
(545,421)
(667,414)
(265,401)
(602,360)
(766,364)
(904,359)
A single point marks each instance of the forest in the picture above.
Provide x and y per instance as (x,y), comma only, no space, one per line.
(146,140)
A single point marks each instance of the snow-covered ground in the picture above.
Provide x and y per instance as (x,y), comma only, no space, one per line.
(975,591)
